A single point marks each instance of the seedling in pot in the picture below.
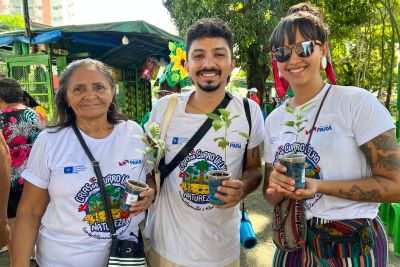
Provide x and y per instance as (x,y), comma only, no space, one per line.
(216,177)
(295,162)
(153,145)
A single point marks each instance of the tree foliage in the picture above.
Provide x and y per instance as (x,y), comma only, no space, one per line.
(251,21)
(11,22)
(362,40)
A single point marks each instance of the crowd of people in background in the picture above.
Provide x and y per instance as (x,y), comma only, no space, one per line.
(50,200)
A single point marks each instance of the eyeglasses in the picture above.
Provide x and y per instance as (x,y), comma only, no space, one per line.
(302,49)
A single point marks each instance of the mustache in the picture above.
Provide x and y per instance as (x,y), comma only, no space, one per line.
(205,70)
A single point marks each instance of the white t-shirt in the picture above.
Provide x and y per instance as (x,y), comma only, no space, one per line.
(187,229)
(349,118)
(74,230)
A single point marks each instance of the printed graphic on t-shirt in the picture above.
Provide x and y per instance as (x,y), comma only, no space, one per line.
(194,179)
(312,169)
(92,206)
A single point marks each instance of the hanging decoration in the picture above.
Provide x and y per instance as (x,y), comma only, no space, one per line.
(175,73)
(148,69)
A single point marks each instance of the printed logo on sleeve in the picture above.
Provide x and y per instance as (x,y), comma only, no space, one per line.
(74,169)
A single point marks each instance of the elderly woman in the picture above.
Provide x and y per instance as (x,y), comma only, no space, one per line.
(19,126)
(62,194)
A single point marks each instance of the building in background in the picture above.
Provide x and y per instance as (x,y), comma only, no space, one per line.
(48,12)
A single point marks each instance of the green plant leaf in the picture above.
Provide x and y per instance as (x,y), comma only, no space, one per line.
(154,130)
(223,144)
(289,123)
(307,107)
(224,112)
(299,123)
(235,117)
(245,135)
(299,117)
(217,124)
(301,129)
(148,150)
(213,116)
(290,109)
(218,138)
(227,124)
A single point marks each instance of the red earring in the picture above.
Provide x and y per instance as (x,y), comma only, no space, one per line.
(330,74)
(281,85)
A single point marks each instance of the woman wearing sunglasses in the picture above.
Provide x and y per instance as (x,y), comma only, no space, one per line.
(353,162)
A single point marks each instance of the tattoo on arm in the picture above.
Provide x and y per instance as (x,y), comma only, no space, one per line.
(389,163)
(385,142)
(385,188)
(356,193)
(382,152)
(367,153)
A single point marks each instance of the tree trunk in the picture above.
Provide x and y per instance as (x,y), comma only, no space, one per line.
(383,17)
(256,73)
(392,56)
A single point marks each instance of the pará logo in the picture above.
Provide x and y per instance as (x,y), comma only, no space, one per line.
(324,128)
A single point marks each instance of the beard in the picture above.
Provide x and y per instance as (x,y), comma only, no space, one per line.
(209,87)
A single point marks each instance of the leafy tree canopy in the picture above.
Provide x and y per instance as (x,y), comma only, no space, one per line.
(11,22)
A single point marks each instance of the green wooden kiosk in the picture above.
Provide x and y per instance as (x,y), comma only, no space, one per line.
(124,46)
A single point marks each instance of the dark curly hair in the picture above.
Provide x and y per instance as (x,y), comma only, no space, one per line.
(10,90)
(210,27)
(64,115)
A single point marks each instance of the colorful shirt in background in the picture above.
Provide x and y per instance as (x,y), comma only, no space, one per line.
(20,128)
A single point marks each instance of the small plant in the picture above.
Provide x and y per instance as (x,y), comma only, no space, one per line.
(224,121)
(299,118)
(153,146)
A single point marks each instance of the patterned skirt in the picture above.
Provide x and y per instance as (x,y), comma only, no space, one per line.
(376,257)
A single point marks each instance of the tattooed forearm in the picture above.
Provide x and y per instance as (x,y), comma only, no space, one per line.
(357,194)
(385,188)
(390,162)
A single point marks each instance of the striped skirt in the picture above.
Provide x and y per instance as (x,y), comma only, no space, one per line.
(377,257)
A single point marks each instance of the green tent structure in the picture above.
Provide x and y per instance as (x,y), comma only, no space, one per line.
(38,62)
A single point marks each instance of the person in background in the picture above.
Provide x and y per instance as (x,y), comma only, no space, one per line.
(61,209)
(29,101)
(19,126)
(173,78)
(5,176)
(345,179)
(187,229)
(253,95)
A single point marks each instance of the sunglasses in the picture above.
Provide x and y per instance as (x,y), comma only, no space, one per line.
(303,49)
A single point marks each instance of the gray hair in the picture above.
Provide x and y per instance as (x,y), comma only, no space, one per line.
(64,115)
